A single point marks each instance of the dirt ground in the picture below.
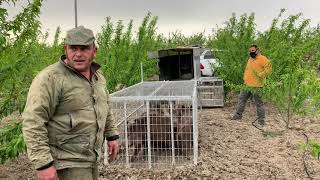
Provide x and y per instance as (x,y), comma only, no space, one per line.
(227,150)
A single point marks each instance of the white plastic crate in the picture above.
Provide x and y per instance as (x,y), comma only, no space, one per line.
(210,92)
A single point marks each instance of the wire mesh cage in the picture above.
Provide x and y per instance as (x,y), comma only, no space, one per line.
(210,92)
(157,123)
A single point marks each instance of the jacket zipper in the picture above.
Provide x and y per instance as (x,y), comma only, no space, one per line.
(70,116)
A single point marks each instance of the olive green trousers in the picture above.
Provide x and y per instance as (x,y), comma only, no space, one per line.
(78,174)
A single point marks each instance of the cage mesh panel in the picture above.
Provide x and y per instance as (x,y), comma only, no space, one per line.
(168,121)
(210,92)
(158,88)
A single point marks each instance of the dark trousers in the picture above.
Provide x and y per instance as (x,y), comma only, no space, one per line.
(243,98)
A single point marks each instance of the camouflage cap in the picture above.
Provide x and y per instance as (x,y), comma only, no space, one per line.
(79,36)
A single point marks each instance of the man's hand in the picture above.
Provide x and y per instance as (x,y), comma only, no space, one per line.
(48,174)
(113,148)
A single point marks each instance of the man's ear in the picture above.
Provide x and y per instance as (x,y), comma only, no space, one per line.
(95,52)
(65,49)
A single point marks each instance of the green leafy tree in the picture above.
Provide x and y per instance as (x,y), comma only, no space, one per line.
(293,86)
(121,53)
(22,57)
(234,40)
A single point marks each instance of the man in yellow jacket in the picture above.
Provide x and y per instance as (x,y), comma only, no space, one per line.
(257,69)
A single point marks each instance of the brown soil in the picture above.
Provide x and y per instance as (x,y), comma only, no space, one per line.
(227,150)
(18,169)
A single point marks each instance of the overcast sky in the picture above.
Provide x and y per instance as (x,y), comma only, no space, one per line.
(186,16)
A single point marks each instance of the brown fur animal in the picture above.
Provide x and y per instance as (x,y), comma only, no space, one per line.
(160,135)
(184,131)
(160,132)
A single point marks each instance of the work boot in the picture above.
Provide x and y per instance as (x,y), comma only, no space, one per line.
(258,123)
(236,117)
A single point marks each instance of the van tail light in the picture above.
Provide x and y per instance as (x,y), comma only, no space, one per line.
(201,66)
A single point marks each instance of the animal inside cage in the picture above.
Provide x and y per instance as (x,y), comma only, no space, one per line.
(157,123)
(210,92)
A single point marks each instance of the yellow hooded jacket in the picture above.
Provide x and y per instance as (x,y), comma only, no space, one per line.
(256,71)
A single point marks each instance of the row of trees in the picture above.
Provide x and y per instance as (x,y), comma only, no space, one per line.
(293,49)
(290,43)
(121,51)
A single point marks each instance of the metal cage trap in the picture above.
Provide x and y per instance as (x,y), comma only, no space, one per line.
(157,123)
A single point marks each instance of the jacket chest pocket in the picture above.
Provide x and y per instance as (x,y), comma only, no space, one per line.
(76,96)
(81,122)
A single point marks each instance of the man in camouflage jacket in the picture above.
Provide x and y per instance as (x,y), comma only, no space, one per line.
(67,114)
